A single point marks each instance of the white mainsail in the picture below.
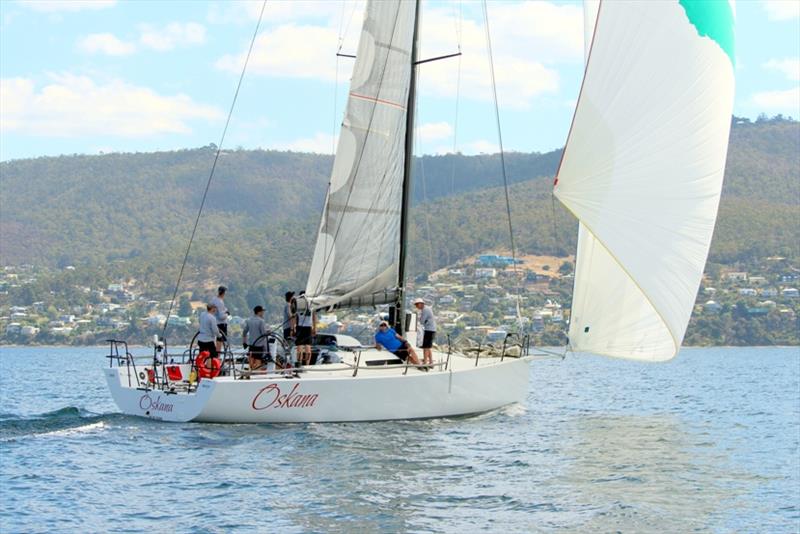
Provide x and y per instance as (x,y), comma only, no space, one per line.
(642,171)
(358,246)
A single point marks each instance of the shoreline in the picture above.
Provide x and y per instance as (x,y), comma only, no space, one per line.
(105,345)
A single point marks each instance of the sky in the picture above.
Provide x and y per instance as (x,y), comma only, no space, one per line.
(100,76)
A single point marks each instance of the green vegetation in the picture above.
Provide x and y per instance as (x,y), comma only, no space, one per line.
(122,217)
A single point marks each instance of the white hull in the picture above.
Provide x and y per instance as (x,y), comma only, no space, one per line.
(330,393)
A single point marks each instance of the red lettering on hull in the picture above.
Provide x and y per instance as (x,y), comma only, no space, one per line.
(270,397)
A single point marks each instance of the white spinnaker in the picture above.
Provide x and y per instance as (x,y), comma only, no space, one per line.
(642,171)
(358,245)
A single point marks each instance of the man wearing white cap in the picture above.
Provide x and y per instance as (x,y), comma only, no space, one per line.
(429,326)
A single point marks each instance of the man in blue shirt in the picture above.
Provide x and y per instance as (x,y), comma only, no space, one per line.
(387,338)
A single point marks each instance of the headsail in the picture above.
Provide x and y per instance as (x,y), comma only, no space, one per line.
(642,170)
(358,246)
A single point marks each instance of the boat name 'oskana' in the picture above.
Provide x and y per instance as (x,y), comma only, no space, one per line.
(147,404)
(270,397)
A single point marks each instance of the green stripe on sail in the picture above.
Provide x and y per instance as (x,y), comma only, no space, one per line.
(712,19)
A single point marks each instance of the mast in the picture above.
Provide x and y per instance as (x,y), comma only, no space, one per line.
(397,313)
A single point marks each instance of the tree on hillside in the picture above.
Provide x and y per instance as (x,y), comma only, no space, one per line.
(184,307)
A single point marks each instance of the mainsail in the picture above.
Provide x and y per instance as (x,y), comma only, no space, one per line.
(642,171)
(358,247)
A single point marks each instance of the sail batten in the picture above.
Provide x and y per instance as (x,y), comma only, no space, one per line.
(642,171)
(358,245)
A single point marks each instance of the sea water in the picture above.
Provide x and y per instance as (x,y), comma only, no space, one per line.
(707,442)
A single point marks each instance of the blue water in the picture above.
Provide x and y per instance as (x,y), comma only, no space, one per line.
(708,442)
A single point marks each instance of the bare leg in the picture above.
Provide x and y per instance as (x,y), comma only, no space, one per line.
(412,355)
(428,357)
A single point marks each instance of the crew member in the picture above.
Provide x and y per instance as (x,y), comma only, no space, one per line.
(288,316)
(428,324)
(305,330)
(209,331)
(221,314)
(387,338)
(254,337)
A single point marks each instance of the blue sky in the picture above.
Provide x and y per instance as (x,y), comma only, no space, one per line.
(91,76)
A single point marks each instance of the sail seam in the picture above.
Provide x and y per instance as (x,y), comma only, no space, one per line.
(378,100)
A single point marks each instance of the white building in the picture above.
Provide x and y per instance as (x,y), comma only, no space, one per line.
(485,272)
(29,331)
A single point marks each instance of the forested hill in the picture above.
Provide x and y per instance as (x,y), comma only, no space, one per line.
(132,213)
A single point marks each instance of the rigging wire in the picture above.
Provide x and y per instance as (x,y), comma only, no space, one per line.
(336,82)
(421,159)
(502,161)
(458,26)
(213,168)
(335,105)
(349,21)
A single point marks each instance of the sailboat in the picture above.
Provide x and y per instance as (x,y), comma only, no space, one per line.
(642,171)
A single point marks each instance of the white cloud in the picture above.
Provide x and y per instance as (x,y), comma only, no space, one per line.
(321,143)
(75,106)
(782,9)
(50,6)
(526,38)
(434,131)
(294,51)
(787,101)
(789,67)
(246,11)
(106,43)
(172,35)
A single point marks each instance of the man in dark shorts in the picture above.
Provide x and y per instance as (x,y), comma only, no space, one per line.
(254,337)
(428,323)
(387,338)
(304,331)
(209,332)
(221,314)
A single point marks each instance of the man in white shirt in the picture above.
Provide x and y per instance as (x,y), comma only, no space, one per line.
(428,324)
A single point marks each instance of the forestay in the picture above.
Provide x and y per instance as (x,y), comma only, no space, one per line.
(642,171)
(358,246)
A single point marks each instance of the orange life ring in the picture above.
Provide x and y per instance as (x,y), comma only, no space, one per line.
(206,369)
